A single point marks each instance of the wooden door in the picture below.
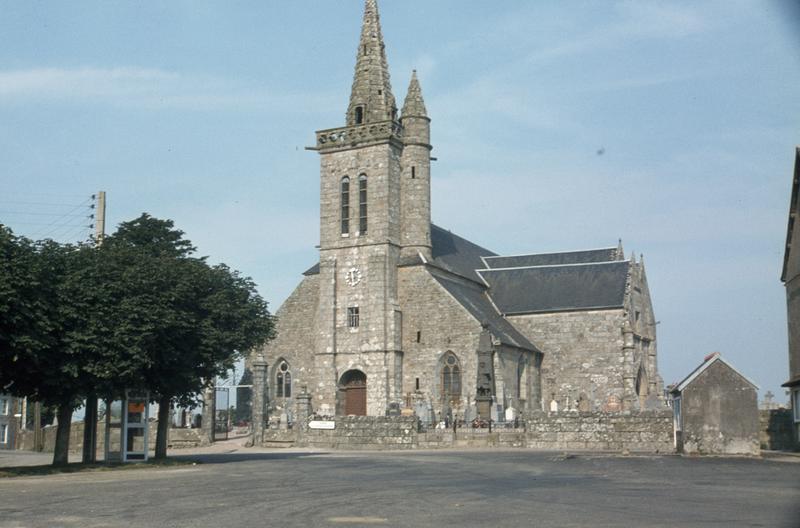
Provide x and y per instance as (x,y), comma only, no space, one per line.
(356,399)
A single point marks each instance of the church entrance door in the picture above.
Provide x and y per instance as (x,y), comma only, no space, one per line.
(353,390)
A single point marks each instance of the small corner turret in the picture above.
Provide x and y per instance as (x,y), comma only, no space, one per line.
(415,185)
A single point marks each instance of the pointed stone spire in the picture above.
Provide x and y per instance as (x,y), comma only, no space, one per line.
(414,105)
(620,251)
(371,99)
(633,257)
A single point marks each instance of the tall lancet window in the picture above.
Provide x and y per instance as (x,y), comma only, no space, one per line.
(362,204)
(451,378)
(283,381)
(345,205)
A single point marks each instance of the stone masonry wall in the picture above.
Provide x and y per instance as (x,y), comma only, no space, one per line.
(720,413)
(582,355)
(443,325)
(644,431)
(294,341)
(373,256)
(639,431)
(364,432)
(793,316)
(776,431)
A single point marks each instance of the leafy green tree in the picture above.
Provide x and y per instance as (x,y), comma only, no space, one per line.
(38,320)
(189,321)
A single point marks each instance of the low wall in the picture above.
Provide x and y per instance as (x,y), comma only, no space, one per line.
(178,438)
(646,431)
(642,431)
(776,431)
(363,432)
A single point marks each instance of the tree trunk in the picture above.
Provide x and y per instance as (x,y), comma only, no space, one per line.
(61,451)
(162,435)
(90,430)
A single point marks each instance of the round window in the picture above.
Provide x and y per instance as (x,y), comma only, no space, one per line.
(284,367)
(451,360)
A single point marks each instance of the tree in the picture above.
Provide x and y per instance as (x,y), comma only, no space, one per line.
(37,321)
(190,321)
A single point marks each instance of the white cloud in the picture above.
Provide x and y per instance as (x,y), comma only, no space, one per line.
(148,87)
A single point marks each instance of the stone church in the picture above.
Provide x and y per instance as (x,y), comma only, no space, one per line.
(401,315)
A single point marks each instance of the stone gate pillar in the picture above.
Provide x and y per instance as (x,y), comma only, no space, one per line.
(302,409)
(259,406)
(209,414)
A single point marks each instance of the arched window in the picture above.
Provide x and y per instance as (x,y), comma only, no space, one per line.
(345,190)
(522,378)
(359,114)
(362,204)
(451,378)
(283,381)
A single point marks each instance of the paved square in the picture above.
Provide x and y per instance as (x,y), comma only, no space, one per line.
(514,488)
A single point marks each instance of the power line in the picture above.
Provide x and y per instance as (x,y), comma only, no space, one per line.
(44,233)
(29,213)
(51,204)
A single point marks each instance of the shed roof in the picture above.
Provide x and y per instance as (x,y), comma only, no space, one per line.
(709,360)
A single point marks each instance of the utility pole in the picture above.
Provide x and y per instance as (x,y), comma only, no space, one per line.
(100,218)
(89,455)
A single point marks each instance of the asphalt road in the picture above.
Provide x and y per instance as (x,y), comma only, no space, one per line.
(513,488)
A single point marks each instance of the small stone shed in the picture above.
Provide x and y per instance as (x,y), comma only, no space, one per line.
(716,411)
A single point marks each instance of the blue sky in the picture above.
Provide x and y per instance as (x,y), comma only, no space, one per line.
(200,112)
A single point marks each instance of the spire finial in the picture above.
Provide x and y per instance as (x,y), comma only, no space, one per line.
(371,98)
(414,105)
(620,251)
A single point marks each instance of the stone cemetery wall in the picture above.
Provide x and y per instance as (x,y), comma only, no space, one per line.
(776,430)
(178,438)
(645,431)
(363,432)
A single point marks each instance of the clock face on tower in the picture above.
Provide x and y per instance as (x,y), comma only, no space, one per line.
(352,276)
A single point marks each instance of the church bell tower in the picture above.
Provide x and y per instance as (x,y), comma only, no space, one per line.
(358,355)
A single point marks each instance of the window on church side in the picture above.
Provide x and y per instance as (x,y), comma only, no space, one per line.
(451,378)
(413,172)
(359,115)
(345,191)
(283,381)
(362,204)
(352,317)
(522,379)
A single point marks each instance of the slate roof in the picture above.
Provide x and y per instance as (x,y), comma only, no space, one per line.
(535,283)
(474,299)
(558,288)
(457,255)
(553,259)
(450,252)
